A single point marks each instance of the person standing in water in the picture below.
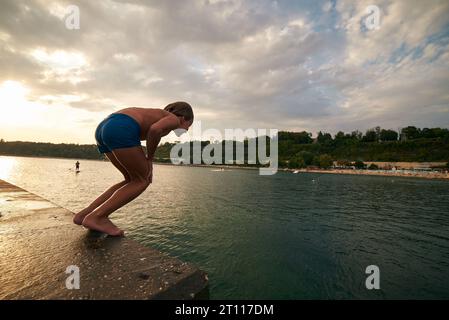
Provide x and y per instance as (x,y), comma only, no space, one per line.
(118,136)
(77,166)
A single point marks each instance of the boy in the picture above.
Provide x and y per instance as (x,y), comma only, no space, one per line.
(118,136)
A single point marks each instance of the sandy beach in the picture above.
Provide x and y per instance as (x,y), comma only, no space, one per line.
(388,173)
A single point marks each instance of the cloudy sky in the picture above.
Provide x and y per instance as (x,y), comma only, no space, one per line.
(291,65)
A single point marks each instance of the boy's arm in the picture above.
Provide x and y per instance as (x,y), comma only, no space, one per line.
(158,130)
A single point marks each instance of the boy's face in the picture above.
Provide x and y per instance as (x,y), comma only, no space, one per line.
(184,125)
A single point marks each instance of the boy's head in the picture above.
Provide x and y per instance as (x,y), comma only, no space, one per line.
(184,111)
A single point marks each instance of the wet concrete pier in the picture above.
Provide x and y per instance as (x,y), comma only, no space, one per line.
(43,254)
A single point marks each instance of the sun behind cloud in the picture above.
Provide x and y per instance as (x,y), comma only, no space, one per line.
(291,65)
(23,119)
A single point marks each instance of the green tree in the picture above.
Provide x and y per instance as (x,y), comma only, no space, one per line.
(359,164)
(340,135)
(377,130)
(427,133)
(296,162)
(356,135)
(324,161)
(373,166)
(306,156)
(388,135)
(434,133)
(302,137)
(370,136)
(410,133)
(323,138)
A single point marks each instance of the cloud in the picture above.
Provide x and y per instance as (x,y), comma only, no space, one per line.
(275,64)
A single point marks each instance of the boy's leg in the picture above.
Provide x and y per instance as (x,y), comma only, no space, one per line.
(134,161)
(79,217)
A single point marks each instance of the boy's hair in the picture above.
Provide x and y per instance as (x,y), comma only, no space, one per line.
(181,109)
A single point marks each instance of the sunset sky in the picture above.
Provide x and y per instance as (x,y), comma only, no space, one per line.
(289,65)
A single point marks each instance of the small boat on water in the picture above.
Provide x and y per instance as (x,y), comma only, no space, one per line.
(296,171)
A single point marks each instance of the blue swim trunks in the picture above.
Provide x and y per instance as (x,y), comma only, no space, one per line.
(117,131)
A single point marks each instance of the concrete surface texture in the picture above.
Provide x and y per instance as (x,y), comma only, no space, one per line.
(43,254)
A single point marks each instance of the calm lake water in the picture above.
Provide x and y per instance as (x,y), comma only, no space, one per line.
(287,236)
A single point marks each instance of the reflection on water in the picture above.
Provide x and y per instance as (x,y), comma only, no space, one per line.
(287,236)
(6,167)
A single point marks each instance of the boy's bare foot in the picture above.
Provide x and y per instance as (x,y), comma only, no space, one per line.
(102,224)
(79,217)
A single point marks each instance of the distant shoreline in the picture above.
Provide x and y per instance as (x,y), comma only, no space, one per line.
(216,166)
(386,173)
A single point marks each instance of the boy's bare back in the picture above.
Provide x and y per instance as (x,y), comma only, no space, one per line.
(145,117)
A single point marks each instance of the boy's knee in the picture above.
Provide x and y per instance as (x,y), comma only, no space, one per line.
(147,182)
(126,181)
(142,182)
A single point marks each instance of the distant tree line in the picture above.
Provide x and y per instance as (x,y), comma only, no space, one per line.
(295,150)
(298,149)
(41,149)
